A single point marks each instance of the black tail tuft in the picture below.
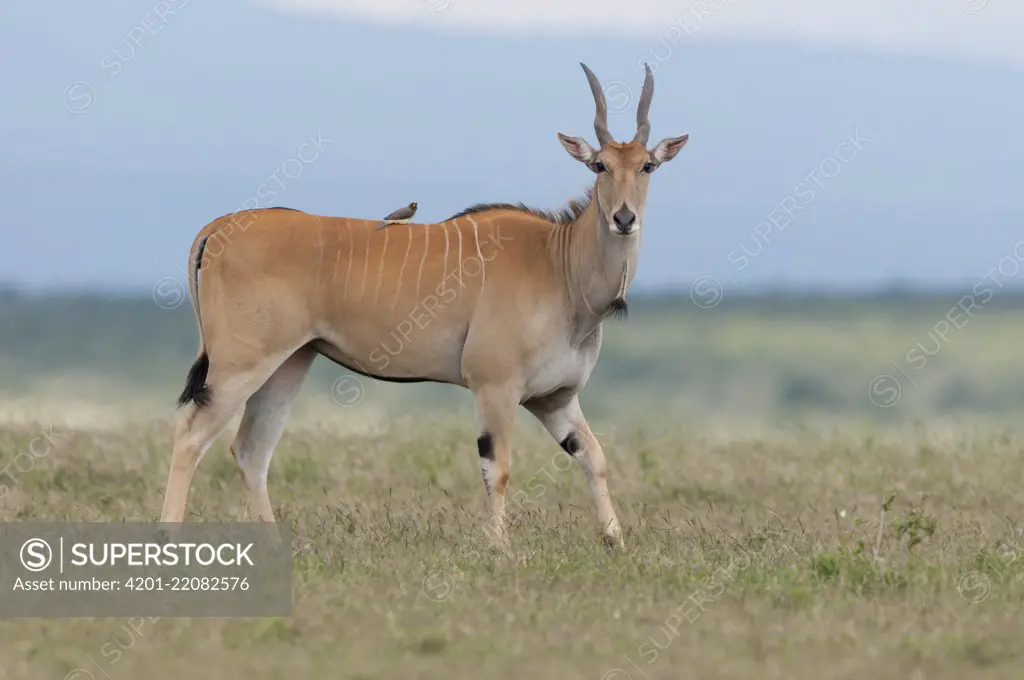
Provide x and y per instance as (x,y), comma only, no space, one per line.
(196,388)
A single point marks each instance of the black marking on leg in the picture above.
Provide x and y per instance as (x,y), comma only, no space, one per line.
(571,444)
(485,446)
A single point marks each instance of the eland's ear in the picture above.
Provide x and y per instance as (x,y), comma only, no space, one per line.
(667,149)
(578,148)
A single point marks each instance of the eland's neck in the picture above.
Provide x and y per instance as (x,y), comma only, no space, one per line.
(599,266)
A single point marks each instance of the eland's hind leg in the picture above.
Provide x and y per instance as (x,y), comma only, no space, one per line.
(262,426)
(229,383)
(564,419)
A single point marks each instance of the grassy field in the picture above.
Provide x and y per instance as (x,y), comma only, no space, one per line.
(830,549)
(809,486)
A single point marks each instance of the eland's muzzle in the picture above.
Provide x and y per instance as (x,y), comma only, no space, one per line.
(624,220)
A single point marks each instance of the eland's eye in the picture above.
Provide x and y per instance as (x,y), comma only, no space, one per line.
(599,166)
(648,167)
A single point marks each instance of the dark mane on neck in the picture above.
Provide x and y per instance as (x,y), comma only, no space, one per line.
(570,213)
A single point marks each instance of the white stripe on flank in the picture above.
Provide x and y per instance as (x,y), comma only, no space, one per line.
(398,288)
(380,270)
(351,246)
(458,230)
(366,268)
(419,275)
(479,254)
(444,272)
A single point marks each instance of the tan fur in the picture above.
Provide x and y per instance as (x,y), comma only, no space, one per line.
(498,300)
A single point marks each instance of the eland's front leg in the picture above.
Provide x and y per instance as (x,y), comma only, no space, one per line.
(565,421)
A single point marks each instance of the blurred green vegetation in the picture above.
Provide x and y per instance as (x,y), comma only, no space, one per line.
(778,355)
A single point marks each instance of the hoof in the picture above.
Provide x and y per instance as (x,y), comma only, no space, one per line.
(163,537)
(167,532)
(501,546)
(613,543)
(503,550)
(498,542)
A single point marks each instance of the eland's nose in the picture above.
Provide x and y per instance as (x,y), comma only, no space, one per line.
(624,219)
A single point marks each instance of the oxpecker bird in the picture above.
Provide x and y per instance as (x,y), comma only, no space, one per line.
(400,216)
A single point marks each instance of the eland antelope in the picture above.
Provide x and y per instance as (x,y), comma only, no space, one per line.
(504,300)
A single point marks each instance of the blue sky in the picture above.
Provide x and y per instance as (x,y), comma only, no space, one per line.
(129,125)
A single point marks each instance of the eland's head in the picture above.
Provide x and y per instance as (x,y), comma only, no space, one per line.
(623,169)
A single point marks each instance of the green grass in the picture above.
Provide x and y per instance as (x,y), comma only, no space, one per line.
(750,553)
